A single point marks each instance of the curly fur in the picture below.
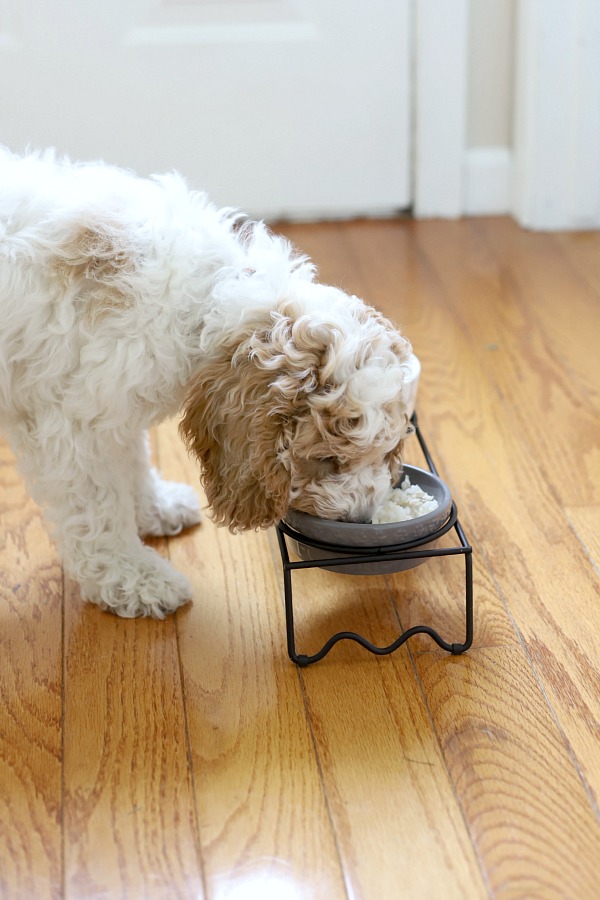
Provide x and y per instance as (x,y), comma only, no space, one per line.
(125,300)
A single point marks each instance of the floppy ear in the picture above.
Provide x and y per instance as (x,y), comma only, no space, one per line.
(235,424)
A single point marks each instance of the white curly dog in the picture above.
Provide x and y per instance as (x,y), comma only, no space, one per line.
(124,300)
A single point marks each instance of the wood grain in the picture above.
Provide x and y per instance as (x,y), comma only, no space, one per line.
(529,816)
(490,466)
(562,279)
(406,288)
(191,758)
(383,772)
(263,815)
(543,574)
(537,367)
(585,522)
(30,696)
(130,826)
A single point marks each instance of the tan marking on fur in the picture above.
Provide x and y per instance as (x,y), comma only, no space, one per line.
(101,301)
(98,253)
(100,256)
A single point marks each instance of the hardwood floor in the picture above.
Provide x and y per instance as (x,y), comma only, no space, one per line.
(189,758)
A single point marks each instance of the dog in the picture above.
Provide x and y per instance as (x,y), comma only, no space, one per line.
(125,300)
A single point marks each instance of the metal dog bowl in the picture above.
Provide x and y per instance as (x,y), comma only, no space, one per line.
(355,539)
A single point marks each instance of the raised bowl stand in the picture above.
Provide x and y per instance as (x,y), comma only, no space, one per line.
(407,550)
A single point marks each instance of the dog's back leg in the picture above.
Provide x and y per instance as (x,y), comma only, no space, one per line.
(161,507)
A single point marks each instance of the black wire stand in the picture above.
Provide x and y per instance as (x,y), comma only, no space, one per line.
(406,550)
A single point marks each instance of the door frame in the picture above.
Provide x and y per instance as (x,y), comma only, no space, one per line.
(550,177)
(556,182)
(440,69)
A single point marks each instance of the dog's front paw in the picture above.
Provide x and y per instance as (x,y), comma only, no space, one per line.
(145,586)
(171,508)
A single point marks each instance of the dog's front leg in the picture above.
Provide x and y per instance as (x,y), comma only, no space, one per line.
(83,478)
(162,508)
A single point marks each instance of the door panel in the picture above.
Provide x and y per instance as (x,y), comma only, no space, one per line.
(281,107)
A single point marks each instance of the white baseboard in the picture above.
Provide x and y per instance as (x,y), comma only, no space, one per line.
(487,181)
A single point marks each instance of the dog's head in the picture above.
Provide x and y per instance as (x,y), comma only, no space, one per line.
(300,405)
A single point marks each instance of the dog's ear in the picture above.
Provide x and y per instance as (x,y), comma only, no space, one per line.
(235,424)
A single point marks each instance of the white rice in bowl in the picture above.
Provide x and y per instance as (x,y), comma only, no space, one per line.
(409,501)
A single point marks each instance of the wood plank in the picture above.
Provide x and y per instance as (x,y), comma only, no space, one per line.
(518,524)
(405,801)
(264,820)
(573,304)
(30,696)
(538,366)
(581,248)
(129,818)
(200,762)
(380,262)
(585,522)
(385,777)
(528,812)
(523,548)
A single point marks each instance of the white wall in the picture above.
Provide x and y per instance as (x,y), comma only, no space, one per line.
(464,90)
(490,107)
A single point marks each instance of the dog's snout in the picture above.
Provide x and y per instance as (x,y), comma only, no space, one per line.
(360,517)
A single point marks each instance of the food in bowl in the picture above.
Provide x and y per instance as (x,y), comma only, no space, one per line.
(409,501)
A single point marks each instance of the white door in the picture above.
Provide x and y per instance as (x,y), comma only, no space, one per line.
(280,107)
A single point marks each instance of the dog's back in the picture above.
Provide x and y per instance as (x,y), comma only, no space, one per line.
(93,261)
